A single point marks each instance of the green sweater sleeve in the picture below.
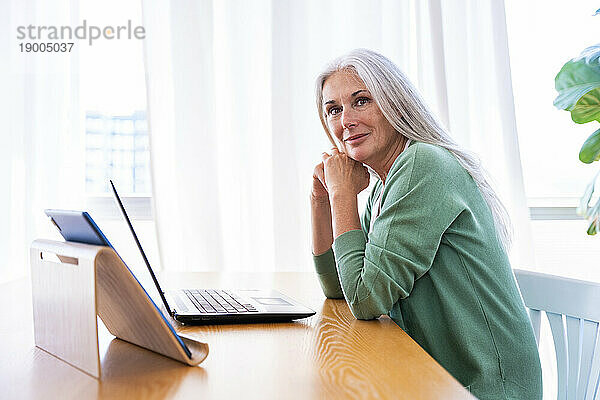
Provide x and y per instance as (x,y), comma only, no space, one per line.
(325,265)
(419,202)
(327,274)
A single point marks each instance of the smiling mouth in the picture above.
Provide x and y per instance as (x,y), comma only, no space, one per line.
(354,137)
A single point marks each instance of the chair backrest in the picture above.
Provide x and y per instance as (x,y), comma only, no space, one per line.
(573,310)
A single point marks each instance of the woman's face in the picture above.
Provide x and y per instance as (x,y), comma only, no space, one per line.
(355,119)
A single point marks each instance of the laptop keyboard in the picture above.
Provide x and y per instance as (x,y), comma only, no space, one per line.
(212,301)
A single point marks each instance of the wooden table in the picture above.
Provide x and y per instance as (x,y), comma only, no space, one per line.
(330,355)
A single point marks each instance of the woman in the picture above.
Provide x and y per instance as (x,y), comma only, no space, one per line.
(430,249)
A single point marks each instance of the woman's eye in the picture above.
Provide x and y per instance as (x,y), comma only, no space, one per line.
(362,101)
(334,110)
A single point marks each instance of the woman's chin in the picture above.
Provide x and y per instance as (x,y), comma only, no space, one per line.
(357,154)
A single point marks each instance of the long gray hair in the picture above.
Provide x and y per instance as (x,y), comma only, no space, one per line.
(403,107)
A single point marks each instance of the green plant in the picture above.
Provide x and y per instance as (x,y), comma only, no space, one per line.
(578,86)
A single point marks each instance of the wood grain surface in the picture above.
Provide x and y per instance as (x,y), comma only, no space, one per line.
(330,355)
(130,315)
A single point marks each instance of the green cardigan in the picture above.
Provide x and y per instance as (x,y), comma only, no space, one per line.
(434,264)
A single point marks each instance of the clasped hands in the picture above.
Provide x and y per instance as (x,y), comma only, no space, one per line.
(338,175)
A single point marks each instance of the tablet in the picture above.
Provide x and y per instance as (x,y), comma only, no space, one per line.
(78,226)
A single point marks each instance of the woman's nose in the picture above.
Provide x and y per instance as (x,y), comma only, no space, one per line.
(349,118)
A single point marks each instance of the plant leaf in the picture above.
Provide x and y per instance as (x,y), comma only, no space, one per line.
(576,78)
(587,108)
(593,228)
(587,196)
(590,151)
(589,54)
(593,215)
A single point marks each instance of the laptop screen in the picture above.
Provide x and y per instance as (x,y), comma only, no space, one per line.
(137,242)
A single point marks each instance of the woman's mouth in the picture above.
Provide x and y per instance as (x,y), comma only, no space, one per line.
(356,139)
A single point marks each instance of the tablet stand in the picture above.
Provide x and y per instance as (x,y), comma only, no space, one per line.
(74,282)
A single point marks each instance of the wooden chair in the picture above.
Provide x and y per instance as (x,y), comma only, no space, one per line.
(573,311)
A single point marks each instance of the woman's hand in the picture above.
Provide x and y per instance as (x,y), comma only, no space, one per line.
(343,174)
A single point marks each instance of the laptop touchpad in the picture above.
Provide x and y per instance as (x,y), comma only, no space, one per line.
(271,301)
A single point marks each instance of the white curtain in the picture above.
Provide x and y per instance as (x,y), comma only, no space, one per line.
(234,133)
(41,156)
(480,104)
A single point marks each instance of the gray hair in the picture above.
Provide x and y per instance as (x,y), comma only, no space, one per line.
(406,111)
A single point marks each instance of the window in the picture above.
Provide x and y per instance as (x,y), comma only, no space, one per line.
(113,98)
(117,148)
(542,37)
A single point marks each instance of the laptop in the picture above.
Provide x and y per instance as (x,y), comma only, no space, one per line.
(194,306)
